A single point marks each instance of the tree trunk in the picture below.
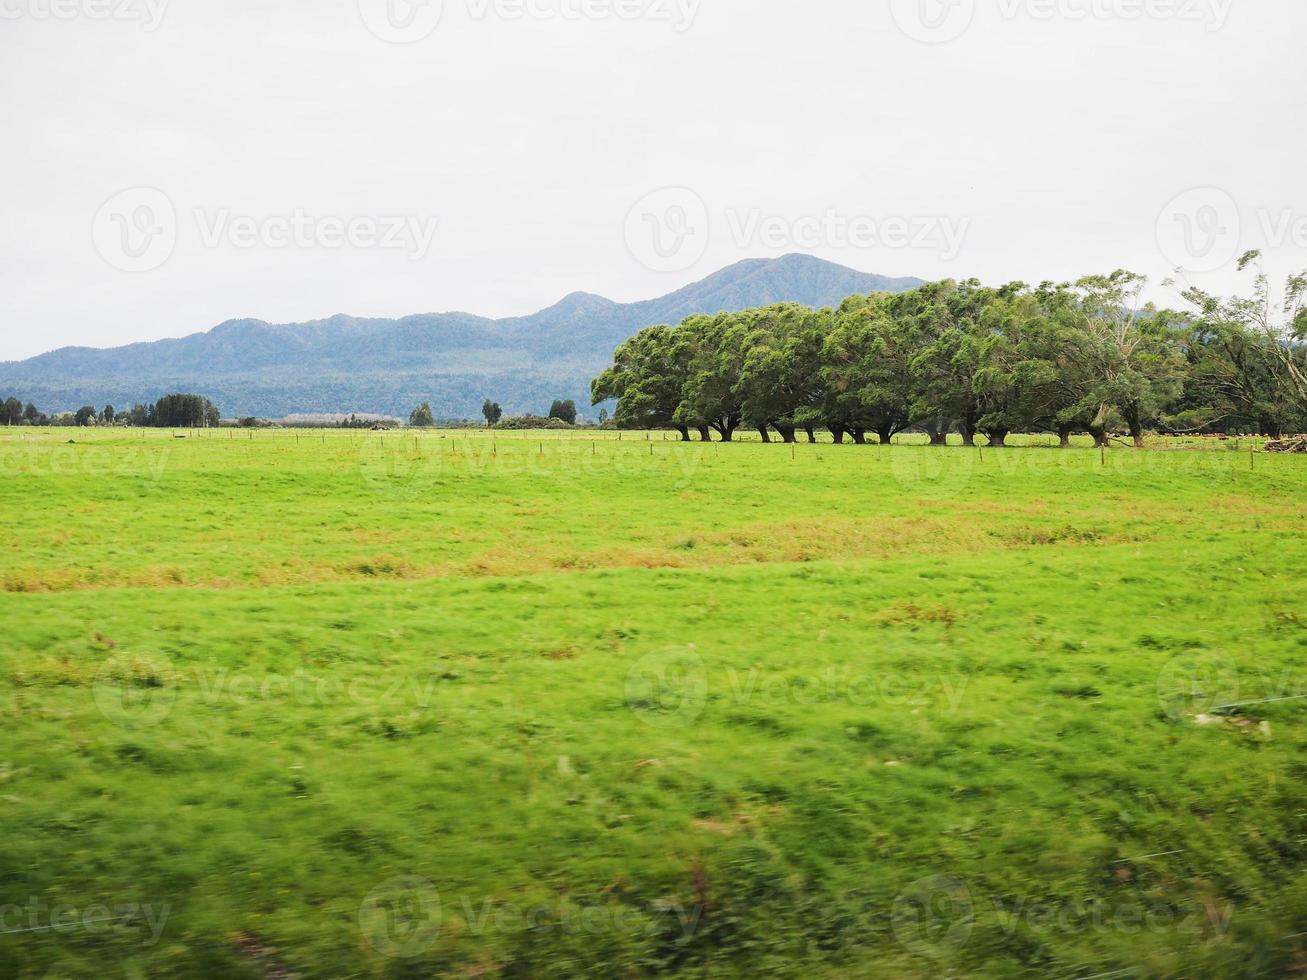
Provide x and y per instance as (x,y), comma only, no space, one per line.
(939,438)
(968,434)
(997,437)
(1100,437)
(886,436)
(812,432)
(837,432)
(859,436)
(1136,425)
(1064,438)
(786,431)
(704,435)
(762,431)
(684,430)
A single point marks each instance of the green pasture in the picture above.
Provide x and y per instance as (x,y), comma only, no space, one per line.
(356,704)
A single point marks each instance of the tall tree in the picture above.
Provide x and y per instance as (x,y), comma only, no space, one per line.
(647,377)
(421,417)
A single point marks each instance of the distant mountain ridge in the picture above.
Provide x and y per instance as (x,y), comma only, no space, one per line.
(454,361)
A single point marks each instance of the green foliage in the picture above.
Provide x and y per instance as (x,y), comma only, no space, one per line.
(183,412)
(421,417)
(1068,358)
(564,411)
(492,412)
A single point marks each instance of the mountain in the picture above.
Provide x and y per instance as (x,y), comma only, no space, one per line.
(452,360)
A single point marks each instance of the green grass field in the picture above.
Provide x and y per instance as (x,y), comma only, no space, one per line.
(385,705)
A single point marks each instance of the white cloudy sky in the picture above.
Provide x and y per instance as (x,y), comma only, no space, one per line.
(1047,139)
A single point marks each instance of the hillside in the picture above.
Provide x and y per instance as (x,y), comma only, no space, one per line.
(452,360)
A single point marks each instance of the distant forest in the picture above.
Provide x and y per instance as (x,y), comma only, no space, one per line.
(1071,358)
(170,411)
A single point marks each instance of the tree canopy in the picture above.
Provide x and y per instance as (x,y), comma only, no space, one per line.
(1087,356)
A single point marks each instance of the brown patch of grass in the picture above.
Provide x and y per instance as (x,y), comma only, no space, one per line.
(910,612)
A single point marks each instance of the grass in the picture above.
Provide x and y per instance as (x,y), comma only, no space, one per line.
(534,705)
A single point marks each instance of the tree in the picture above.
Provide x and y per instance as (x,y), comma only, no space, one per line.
(31,415)
(868,368)
(107,415)
(647,378)
(946,322)
(492,412)
(780,382)
(11,412)
(1247,358)
(712,396)
(564,411)
(421,417)
(85,416)
(183,412)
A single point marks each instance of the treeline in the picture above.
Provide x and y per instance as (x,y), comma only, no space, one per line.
(1070,358)
(171,412)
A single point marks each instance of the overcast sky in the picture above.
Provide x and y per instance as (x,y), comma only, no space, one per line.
(167,166)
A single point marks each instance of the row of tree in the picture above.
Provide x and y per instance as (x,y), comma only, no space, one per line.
(171,411)
(1068,358)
